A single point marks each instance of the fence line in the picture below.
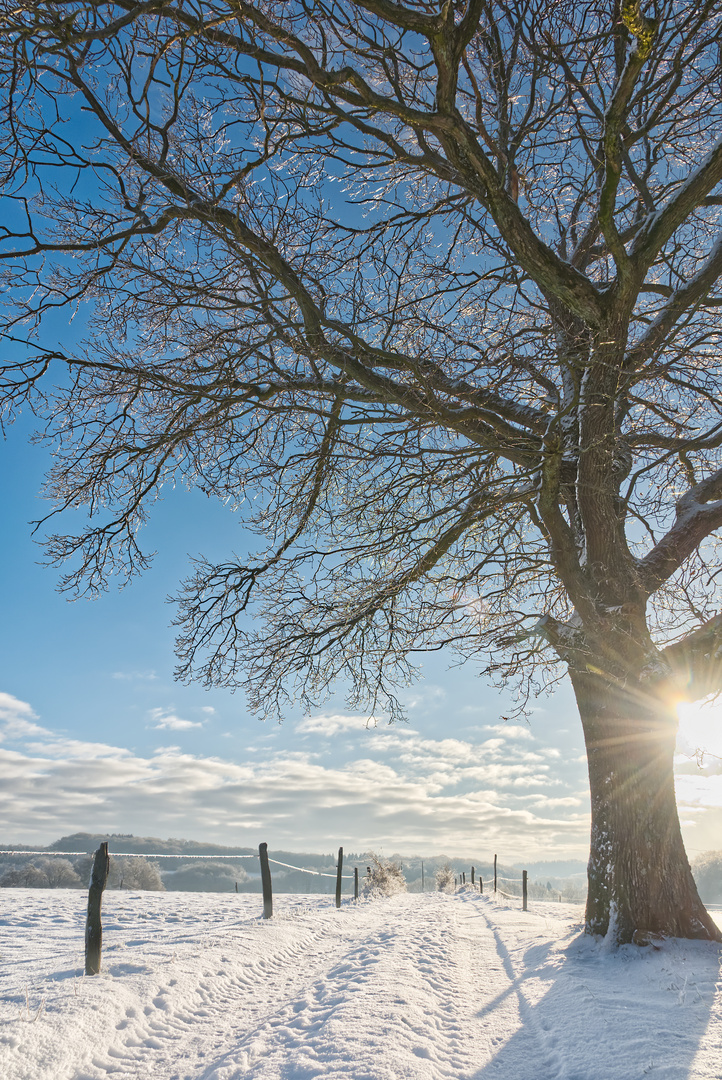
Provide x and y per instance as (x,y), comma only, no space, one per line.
(316,873)
(134,855)
(99,879)
(277,862)
(165,855)
(101,863)
(46,852)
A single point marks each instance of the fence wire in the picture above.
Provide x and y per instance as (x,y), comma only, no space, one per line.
(152,855)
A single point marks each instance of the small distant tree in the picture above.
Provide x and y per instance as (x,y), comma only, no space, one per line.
(135,873)
(445,878)
(383,878)
(11,878)
(28,875)
(60,873)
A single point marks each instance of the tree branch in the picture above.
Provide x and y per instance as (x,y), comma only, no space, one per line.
(699,513)
(692,292)
(696,661)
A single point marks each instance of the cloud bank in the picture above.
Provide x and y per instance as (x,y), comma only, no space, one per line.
(389,788)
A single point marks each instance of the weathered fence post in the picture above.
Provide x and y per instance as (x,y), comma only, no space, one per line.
(523,889)
(463,877)
(472,875)
(339,869)
(355,882)
(481,885)
(266,881)
(93,925)
(495,873)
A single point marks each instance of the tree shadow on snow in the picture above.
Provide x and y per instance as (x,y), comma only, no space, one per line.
(584,1012)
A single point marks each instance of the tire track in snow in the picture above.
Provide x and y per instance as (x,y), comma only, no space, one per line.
(310,993)
(409,980)
(195,1015)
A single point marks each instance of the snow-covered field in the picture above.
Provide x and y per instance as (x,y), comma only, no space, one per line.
(197,985)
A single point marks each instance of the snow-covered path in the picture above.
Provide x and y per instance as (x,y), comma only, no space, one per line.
(198,987)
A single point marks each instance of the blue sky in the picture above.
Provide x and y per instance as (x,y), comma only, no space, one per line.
(96,735)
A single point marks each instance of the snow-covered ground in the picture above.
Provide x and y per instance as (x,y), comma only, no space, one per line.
(197,985)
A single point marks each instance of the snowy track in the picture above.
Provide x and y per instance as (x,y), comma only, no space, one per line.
(198,987)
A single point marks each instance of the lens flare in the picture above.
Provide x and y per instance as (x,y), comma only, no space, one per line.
(700,730)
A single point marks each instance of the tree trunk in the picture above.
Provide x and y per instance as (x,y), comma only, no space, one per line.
(640,881)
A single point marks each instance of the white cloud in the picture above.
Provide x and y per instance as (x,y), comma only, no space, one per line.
(17,719)
(331,725)
(135,676)
(165,720)
(512,730)
(424,795)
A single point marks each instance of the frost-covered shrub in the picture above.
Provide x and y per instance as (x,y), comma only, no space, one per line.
(445,878)
(60,873)
(24,876)
(44,873)
(707,870)
(135,873)
(383,878)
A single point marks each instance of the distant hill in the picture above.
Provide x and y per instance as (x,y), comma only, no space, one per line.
(143,845)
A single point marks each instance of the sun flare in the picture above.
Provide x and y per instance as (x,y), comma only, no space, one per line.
(700,729)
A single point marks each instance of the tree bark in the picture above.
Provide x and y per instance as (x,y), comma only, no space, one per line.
(640,881)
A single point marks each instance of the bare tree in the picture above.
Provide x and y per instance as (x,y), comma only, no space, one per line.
(445,878)
(135,873)
(431,292)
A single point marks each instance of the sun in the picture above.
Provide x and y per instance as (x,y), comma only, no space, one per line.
(700,729)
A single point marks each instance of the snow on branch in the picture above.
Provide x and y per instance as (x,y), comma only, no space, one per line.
(699,513)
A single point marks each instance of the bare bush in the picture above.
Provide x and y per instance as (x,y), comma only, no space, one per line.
(383,878)
(43,873)
(134,873)
(445,878)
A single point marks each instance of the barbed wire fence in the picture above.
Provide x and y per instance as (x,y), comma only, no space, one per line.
(101,865)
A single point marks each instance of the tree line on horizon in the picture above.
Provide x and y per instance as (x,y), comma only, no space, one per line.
(213,874)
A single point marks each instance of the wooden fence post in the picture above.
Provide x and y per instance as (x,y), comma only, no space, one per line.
(93,925)
(523,890)
(495,873)
(339,870)
(266,881)
(481,885)
(463,877)
(355,882)
(472,875)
